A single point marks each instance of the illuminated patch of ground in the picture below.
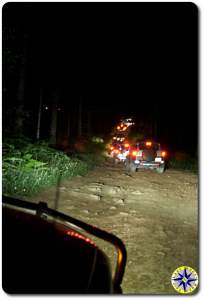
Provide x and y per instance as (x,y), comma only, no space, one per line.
(154,214)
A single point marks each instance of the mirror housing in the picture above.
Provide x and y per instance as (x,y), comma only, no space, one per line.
(43,256)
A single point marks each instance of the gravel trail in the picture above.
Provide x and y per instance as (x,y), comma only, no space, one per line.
(156,215)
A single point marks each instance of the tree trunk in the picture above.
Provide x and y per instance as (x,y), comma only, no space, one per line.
(68,124)
(89,123)
(53,125)
(80,117)
(39,116)
(21,93)
(155,119)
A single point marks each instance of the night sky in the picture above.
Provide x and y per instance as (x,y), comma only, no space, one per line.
(124,59)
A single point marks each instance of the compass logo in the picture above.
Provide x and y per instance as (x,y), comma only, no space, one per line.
(184,279)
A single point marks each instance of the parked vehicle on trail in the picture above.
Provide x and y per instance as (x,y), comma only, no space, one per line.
(146,155)
(119,152)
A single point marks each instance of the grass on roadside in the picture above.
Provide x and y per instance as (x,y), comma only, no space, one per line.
(29,168)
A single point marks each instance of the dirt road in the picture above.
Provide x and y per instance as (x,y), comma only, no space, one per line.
(156,215)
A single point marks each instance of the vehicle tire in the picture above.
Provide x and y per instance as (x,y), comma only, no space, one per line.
(160,169)
(127,166)
(132,167)
(116,161)
(113,161)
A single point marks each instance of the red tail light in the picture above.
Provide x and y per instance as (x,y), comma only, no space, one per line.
(134,153)
(163,154)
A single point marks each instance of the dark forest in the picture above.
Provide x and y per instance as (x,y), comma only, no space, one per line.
(72,69)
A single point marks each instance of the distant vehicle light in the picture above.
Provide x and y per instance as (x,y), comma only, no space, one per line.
(124,128)
(163,154)
(111,147)
(134,153)
(126,145)
(116,151)
(121,125)
(118,127)
(148,143)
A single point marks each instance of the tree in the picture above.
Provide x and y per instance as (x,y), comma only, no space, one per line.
(20,113)
(155,120)
(39,116)
(68,124)
(14,70)
(80,117)
(89,123)
(53,125)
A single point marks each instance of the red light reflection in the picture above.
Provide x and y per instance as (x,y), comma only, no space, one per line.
(79,236)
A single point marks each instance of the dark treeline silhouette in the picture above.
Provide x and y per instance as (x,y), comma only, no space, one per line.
(68,74)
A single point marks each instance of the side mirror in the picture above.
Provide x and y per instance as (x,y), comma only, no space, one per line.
(45,252)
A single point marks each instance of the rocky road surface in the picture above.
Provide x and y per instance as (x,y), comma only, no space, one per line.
(156,216)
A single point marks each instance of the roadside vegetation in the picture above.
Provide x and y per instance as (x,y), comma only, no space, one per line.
(183,161)
(27,167)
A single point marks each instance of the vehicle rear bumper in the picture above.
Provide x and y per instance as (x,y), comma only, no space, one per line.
(152,164)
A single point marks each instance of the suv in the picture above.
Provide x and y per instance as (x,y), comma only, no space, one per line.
(146,155)
(119,151)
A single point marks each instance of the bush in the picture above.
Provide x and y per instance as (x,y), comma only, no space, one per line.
(92,159)
(184,161)
(94,154)
(29,168)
